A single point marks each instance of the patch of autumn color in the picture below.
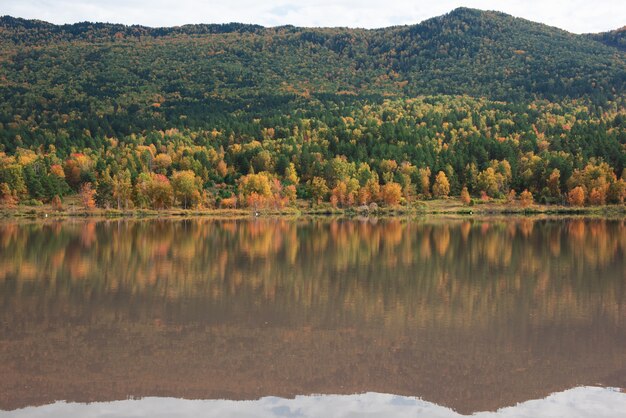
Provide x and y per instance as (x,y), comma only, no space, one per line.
(441,235)
(576,230)
(255,201)
(510,197)
(441,188)
(424,175)
(597,196)
(391,193)
(554,183)
(229,203)
(465,227)
(319,189)
(465,196)
(576,196)
(221,168)
(526,198)
(56,204)
(87,195)
(57,170)
(7,196)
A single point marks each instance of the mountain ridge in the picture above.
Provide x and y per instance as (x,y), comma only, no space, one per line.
(8,20)
(467,51)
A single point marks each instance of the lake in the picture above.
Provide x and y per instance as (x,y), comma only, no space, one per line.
(313,317)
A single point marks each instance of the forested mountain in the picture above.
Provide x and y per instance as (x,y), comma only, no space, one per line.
(615,38)
(204,94)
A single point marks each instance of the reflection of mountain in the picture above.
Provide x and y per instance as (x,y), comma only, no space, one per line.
(576,402)
(472,315)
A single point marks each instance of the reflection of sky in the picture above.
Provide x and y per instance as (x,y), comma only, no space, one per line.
(582,402)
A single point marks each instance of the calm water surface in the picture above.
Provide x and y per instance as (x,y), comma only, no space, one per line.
(520,316)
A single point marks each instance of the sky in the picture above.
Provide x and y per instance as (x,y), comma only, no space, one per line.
(578,16)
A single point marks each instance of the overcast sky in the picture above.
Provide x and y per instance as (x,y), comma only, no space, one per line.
(579,16)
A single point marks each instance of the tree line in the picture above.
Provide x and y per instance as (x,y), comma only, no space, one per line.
(346,153)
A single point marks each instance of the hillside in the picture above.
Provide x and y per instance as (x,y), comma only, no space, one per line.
(263,98)
(615,38)
(467,51)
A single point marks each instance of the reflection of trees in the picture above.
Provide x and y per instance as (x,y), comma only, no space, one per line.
(450,272)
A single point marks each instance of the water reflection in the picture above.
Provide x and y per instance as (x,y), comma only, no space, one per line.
(473,315)
(582,402)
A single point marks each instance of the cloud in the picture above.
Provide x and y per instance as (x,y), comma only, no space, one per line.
(574,15)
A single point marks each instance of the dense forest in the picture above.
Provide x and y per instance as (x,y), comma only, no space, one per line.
(471,103)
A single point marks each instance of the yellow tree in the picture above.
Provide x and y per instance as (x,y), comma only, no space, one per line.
(391,193)
(526,198)
(186,185)
(291,175)
(554,183)
(487,182)
(319,189)
(441,188)
(388,168)
(424,175)
(161,163)
(465,196)
(154,190)
(256,189)
(122,189)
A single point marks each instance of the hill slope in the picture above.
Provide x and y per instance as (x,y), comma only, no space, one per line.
(467,51)
(615,38)
(540,109)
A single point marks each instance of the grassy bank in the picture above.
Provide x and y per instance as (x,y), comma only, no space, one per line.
(72,209)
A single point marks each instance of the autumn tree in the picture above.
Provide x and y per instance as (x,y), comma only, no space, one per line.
(465,196)
(161,163)
(154,190)
(388,169)
(554,183)
(12,174)
(122,189)
(511,196)
(186,187)
(494,181)
(79,169)
(441,188)
(406,173)
(7,196)
(319,189)
(87,196)
(597,196)
(291,175)
(526,198)
(255,189)
(595,179)
(56,203)
(104,189)
(576,196)
(424,185)
(391,193)
(339,169)
(617,192)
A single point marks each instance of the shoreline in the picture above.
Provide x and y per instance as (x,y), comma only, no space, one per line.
(442,207)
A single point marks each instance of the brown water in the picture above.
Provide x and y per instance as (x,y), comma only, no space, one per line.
(470,315)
